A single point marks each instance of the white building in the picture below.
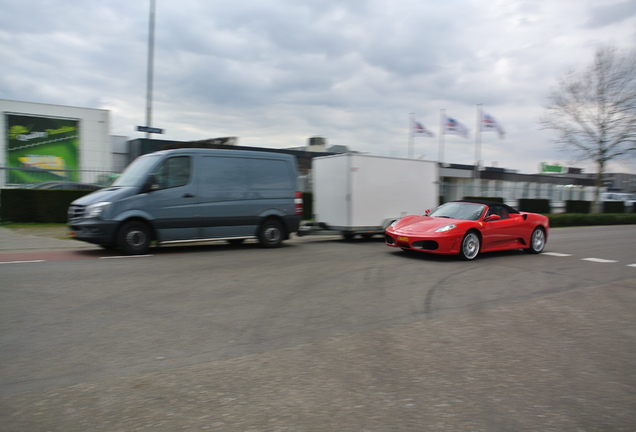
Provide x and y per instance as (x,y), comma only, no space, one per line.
(42,142)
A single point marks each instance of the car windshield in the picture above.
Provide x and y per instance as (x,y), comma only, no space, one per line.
(137,171)
(459,210)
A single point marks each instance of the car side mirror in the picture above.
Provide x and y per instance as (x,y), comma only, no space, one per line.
(427,212)
(492,218)
(150,184)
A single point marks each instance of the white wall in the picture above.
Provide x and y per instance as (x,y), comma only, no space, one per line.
(94,130)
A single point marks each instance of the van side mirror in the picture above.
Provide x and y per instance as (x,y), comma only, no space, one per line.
(150,184)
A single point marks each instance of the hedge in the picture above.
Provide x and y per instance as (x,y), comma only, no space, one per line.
(534,205)
(578,206)
(580,219)
(37,205)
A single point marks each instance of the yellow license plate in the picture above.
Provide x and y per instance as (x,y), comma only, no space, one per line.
(403,239)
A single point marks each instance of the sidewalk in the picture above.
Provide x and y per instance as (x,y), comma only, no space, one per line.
(40,238)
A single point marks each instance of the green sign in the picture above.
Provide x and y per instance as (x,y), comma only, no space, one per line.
(552,169)
(42,149)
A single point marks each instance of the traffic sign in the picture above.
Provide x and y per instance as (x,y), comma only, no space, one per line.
(149,129)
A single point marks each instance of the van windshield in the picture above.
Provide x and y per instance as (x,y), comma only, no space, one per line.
(137,171)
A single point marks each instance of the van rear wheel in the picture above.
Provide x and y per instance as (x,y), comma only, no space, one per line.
(271,233)
(133,238)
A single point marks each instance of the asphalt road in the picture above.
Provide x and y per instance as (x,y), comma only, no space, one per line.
(321,335)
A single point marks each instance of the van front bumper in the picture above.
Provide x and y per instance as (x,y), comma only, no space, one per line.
(93,231)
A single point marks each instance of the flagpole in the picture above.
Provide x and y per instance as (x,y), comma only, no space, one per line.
(440,154)
(480,113)
(411,133)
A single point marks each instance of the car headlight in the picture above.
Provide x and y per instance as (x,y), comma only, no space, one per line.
(446,228)
(95,210)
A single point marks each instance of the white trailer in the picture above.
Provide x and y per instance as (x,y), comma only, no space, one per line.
(364,194)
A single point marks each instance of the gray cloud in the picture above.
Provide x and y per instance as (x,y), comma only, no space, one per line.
(605,15)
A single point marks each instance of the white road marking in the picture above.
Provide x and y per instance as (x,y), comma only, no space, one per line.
(126,256)
(596,260)
(22,262)
(599,260)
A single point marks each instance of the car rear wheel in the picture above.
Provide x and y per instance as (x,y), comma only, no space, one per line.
(537,241)
(271,233)
(470,246)
(134,238)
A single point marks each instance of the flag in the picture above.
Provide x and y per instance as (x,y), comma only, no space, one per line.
(418,129)
(453,127)
(489,124)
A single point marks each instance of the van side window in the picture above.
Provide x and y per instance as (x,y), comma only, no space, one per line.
(224,174)
(173,172)
(269,174)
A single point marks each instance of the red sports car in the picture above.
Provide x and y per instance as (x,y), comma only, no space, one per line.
(468,227)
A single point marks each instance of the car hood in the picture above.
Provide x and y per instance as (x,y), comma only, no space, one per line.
(110,194)
(422,224)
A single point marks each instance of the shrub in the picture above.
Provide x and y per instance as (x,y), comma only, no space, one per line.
(308,205)
(613,207)
(577,206)
(493,199)
(580,219)
(37,205)
(538,205)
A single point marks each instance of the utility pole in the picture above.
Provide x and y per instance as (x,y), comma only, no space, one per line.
(151,58)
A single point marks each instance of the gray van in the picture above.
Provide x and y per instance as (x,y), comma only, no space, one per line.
(192,195)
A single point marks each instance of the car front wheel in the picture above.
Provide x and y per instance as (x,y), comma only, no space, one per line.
(133,238)
(537,241)
(470,246)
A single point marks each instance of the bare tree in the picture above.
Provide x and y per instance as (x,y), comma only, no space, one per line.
(594,111)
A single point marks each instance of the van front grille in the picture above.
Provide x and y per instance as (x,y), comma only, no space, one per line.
(76,212)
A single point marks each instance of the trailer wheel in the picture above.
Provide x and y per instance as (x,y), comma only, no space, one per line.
(348,235)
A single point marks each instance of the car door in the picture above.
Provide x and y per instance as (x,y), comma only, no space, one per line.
(499,232)
(174,204)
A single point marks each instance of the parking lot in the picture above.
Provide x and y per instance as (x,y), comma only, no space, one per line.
(321,335)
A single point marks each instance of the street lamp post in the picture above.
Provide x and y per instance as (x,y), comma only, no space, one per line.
(151,55)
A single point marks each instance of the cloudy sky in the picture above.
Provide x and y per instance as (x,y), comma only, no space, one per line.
(276,72)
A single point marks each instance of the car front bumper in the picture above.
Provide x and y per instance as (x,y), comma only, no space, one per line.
(93,231)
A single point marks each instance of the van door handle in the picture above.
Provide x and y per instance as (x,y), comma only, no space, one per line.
(188,195)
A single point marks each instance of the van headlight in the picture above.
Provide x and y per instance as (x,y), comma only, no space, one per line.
(96,210)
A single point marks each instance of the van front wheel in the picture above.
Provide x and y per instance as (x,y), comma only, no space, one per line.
(271,233)
(133,238)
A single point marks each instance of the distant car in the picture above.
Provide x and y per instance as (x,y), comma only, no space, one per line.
(66,185)
(469,227)
(628,199)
